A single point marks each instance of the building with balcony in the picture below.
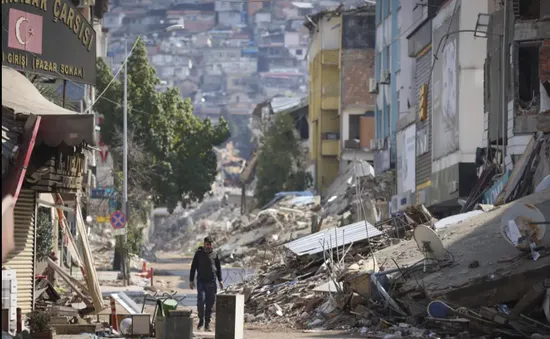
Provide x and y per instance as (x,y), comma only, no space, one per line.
(357,105)
(341,109)
(324,96)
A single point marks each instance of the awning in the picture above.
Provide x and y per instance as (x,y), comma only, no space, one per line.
(58,124)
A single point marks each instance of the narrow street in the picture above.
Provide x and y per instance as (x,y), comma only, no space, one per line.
(172,274)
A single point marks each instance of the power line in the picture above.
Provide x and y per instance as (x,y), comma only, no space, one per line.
(114,76)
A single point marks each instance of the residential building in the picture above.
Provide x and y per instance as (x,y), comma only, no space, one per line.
(356,106)
(457,102)
(439,102)
(229,6)
(387,78)
(511,122)
(341,109)
(198,21)
(229,19)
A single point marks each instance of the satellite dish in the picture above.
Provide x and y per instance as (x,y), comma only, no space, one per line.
(429,243)
(530,224)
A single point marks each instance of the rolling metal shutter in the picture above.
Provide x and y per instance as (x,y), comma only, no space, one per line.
(423,74)
(21,260)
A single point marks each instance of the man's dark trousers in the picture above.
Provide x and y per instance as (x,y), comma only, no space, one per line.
(206,297)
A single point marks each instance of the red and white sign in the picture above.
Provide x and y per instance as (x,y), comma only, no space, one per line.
(25,31)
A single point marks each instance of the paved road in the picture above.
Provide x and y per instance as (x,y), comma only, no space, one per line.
(172,274)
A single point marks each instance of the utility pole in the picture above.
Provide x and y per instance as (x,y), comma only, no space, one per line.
(125,160)
(504,80)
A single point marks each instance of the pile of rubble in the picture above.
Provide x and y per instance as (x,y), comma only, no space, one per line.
(384,286)
(253,240)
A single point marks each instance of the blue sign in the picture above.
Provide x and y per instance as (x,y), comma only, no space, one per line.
(101,193)
(118,220)
(491,195)
(113,205)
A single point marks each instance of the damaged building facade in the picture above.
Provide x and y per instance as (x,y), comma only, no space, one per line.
(439,124)
(341,109)
(510,121)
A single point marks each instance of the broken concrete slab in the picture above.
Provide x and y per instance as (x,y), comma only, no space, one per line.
(503,273)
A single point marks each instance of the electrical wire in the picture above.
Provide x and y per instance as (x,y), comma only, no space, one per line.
(115,75)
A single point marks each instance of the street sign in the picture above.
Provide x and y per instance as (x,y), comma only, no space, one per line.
(102,193)
(118,220)
(119,231)
(102,219)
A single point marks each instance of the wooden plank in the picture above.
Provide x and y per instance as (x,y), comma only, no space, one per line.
(69,281)
(516,174)
(91,274)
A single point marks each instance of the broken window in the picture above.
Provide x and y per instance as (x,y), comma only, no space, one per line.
(354,127)
(531,9)
(528,79)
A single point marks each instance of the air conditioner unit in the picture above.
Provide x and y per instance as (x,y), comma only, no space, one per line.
(385,78)
(380,144)
(373,86)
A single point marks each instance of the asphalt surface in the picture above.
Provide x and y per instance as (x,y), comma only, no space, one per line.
(171,274)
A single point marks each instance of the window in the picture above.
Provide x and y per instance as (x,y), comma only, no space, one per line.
(528,79)
(378,65)
(379,11)
(398,95)
(387,66)
(354,127)
(398,51)
(299,52)
(388,120)
(387,8)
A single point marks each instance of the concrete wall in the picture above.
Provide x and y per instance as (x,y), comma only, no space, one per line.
(471,54)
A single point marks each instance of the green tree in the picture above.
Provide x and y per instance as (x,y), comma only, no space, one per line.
(178,145)
(44,234)
(280,165)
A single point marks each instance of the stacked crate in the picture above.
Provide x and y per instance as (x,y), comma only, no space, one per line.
(9,298)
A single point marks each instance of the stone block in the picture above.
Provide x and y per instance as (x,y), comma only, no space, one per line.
(230,323)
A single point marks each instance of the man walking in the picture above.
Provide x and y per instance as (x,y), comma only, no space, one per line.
(207,266)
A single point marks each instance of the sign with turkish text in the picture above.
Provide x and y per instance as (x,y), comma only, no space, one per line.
(102,219)
(49,37)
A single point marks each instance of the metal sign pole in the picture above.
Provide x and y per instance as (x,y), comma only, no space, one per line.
(125,158)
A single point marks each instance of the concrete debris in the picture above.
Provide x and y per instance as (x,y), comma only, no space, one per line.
(342,195)
(385,289)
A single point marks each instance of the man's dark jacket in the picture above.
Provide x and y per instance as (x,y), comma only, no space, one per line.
(207,265)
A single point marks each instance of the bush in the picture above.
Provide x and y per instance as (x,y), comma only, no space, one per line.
(44,234)
(38,321)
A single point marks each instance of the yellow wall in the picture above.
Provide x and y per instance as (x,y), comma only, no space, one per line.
(324,99)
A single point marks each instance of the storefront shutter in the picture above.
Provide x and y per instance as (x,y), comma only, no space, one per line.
(21,260)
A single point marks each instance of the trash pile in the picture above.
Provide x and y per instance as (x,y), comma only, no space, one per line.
(460,278)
